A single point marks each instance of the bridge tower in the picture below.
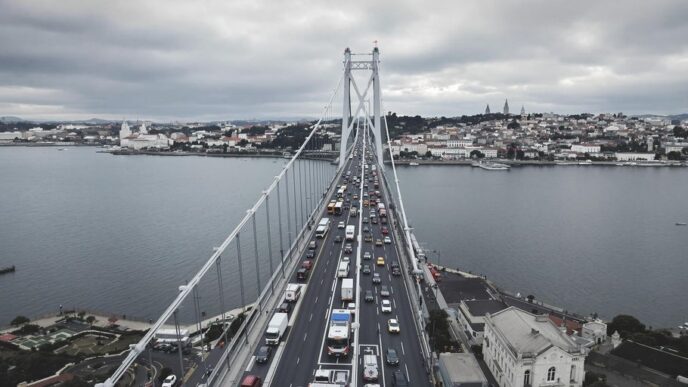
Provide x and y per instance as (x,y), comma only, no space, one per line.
(362,107)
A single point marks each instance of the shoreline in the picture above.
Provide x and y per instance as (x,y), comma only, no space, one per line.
(537,163)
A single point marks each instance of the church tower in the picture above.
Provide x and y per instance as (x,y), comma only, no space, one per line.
(506,107)
(523,110)
(124,130)
(487,109)
(143,129)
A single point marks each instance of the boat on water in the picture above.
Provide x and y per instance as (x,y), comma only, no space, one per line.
(62,149)
(5,270)
(565,163)
(681,223)
(414,164)
(586,162)
(491,166)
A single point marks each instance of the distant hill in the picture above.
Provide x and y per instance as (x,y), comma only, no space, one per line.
(681,117)
(10,119)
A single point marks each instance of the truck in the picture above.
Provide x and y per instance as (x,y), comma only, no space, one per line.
(347,289)
(339,333)
(330,378)
(323,228)
(276,328)
(292,293)
(370,371)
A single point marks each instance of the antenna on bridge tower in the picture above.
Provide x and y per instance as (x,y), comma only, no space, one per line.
(347,122)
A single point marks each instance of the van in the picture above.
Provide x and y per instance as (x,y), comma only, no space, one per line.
(251,381)
(343,270)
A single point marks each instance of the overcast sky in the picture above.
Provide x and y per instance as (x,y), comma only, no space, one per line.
(208,59)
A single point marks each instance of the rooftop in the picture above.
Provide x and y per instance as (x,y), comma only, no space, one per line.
(482,307)
(456,288)
(461,368)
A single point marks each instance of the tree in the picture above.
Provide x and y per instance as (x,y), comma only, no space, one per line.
(90,320)
(476,154)
(626,325)
(428,154)
(673,155)
(19,320)
(680,132)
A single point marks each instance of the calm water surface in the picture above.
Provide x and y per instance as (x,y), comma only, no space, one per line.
(120,234)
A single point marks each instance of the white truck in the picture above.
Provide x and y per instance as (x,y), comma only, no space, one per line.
(276,328)
(292,293)
(330,378)
(350,232)
(323,228)
(347,289)
(370,371)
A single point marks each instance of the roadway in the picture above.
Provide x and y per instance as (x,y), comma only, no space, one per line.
(303,351)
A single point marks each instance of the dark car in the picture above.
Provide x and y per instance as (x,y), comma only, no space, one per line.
(391,357)
(373,220)
(399,379)
(310,254)
(366,269)
(263,354)
(396,271)
(284,307)
(338,239)
(348,249)
(302,274)
(369,296)
(312,245)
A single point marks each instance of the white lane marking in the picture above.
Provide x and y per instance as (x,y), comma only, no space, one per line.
(305,336)
(379,337)
(407,374)
(298,359)
(250,363)
(402,348)
(316,299)
(310,318)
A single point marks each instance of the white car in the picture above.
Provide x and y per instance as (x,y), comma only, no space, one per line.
(393,326)
(346,259)
(169,381)
(341,225)
(388,240)
(386,306)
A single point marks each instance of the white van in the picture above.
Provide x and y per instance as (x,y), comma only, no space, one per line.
(350,231)
(343,270)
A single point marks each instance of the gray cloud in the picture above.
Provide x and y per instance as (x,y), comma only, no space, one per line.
(163,59)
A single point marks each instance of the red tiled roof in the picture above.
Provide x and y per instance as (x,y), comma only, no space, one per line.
(7,337)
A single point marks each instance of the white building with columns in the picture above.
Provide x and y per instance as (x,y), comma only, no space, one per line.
(141,140)
(526,350)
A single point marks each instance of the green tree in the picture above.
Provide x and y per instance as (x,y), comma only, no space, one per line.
(428,154)
(674,156)
(90,320)
(19,320)
(476,154)
(626,325)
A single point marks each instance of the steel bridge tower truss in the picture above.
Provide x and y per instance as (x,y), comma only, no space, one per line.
(348,120)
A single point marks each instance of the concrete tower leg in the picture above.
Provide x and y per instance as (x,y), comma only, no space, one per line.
(377,128)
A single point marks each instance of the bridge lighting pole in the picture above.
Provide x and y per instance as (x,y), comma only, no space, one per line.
(179,344)
(302,189)
(289,235)
(241,272)
(346,106)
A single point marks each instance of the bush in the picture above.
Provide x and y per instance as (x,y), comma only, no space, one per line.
(28,329)
(19,320)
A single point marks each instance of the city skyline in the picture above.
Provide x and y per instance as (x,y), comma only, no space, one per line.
(174,61)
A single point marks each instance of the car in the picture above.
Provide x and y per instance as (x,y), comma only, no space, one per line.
(396,270)
(251,381)
(367,255)
(164,347)
(169,381)
(341,225)
(346,259)
(338,239)
(263,354)
(312,245)
(352,308)
(284,307)
(366,269)
(399,379)
(310,254)
(369,296)
(383,220)
(386,306)
(385,231)
(373,220)
(393,326)
(348,249)
(380,261)
(364,220)
(384,291)
(388,240)
(378,242)
(302,274)
(366,230)
(368,238)
(307,264)
(391,357)
(376,279)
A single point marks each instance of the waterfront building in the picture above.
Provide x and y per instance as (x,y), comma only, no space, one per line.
(628,156)
(585,148)
(141,140)
(471,316)
(460,370)
(596,331)
(522,349)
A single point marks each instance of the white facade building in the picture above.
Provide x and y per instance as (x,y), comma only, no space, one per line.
(596,331)
(628,156)
(526,350)
(141,140)
(585,148)
(10,136)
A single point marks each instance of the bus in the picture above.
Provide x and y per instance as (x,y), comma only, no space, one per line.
(342,191)
(338,208)
(338,334)
(330,207)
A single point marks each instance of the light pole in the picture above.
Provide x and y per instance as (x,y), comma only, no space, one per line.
(439,256)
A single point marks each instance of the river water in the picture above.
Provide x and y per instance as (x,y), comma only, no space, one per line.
(119,233)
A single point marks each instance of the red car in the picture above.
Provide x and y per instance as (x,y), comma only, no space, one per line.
(307,264)
(384,230)
(251,381)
